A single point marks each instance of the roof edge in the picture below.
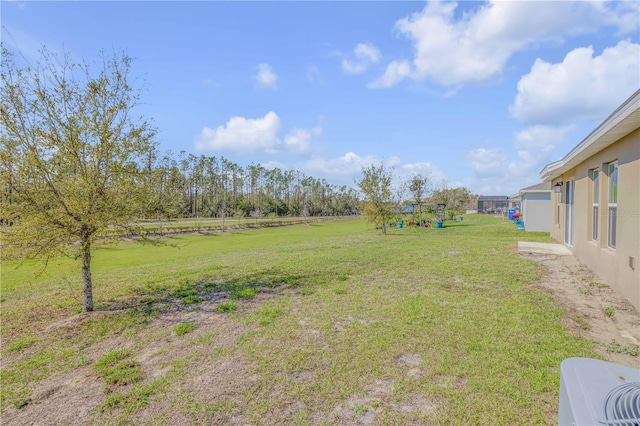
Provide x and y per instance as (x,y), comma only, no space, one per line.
(622,112)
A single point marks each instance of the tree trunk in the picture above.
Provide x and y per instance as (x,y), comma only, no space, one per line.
(87,303)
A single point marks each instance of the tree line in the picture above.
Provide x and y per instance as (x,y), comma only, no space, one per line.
(202,186)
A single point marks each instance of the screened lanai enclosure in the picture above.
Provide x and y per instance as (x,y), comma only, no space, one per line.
(492,204)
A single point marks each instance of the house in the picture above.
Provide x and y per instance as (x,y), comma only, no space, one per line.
(407,209)
(514,201)
(595,207)
(535,202)
(492,203)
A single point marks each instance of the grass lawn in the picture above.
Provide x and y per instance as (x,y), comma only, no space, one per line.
(326,323)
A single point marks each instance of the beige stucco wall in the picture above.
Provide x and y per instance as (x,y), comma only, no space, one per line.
(535,206)
(612,265)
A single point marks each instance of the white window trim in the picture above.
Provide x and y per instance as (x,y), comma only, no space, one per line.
(595,208)
(612,223)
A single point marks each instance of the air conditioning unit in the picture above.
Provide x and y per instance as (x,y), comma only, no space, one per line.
(594,392)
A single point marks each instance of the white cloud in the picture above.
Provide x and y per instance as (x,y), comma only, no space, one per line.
(496,173)
(365,54)
(534,146)
(257,135)
(581,87)
(554,96)
(349,164)
(395,73)
(540,138)
(317,131)
(435,175)
(244,135)
(488,163)
(392,161)
(265,77)
(273,164)
(474,46)
(623,15)
(298,140)
(352,68)
(344,169)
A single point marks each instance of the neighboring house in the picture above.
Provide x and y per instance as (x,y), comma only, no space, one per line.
(534,206)
(596,200)
(408,209)
(513,202)
(492,204)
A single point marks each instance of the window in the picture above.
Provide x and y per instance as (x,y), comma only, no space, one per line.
(569,199)
(595,177)
(558,198)
(613,203)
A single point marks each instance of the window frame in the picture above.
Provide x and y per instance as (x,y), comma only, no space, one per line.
(612,204)
(558,202)
(595,202)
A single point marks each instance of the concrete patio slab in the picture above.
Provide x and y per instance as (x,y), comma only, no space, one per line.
(546,248)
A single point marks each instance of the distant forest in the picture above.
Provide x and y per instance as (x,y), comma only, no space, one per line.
(200,186)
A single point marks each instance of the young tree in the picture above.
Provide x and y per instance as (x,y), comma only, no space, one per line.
(375,185)
(78,158)
(456,199)
(420,187)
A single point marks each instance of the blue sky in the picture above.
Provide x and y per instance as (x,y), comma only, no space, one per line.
(480,94)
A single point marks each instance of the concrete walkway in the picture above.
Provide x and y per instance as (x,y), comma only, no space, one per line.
(546,248)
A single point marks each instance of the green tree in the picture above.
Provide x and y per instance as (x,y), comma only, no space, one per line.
(75,160)
(457,199)
(375,186)
(420,187)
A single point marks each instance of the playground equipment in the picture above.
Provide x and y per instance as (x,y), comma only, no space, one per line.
(441,214)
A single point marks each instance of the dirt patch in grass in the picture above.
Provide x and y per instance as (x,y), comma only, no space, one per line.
(64,400)
(199,361)
(362,409)
(409,359)
(371,407)
(592,309)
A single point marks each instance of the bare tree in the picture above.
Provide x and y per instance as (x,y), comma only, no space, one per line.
(420,187)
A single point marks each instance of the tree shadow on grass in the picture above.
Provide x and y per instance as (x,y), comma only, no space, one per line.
(147,302)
